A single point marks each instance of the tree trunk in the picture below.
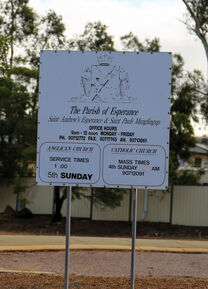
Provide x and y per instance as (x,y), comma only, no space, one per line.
(58,202)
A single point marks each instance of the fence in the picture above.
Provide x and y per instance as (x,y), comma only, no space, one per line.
(185,205)
(190,205)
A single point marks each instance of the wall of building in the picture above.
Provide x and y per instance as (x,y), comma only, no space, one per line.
(204,160)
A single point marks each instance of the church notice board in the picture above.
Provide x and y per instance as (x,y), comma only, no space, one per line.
(104,119)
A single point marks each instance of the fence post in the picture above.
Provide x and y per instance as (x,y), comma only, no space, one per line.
(130,204)
(91,203)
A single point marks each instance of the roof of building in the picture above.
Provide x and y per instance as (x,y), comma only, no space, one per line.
(200,148)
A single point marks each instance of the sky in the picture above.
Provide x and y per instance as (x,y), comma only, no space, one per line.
(145,18)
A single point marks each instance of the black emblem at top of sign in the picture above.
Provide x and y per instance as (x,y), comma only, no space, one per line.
(104,82)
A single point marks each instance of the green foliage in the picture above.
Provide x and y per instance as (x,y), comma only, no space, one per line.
(22,27)
(49,35)
(103,197)
(19,190)
(186,98)
(130,42)
(4,49)
(54,28)
(17,23)
(18,19)
(17,186)
(186,91)
(109,197)
(189,177)
(24,74)
(14,126)
(186,95)
(94,37)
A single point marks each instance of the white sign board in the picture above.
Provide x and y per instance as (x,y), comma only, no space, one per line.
(104,119)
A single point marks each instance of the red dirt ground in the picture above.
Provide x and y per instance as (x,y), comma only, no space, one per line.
(9,224)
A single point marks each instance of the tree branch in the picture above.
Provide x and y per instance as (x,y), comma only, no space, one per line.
(199,30)
(192,13)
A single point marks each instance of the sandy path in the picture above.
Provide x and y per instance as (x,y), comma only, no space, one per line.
(109,263)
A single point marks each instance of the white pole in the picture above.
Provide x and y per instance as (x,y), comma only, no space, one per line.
(134,223)
(68,226)
(145,205)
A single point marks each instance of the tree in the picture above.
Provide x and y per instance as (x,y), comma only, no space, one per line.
(14,135)
(103,197)
(186,95)
(131,42)
(17,22)
(197,22)
(19,76)
(16,125)
(4,48)
(184,107)
(95,37)
(50,34)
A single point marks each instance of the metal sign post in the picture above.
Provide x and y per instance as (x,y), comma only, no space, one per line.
(68,226)
(134,223)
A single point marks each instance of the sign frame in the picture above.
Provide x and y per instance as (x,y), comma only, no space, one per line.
(144,106)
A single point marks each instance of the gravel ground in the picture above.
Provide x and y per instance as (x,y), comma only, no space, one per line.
(104,270)
(109,263)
